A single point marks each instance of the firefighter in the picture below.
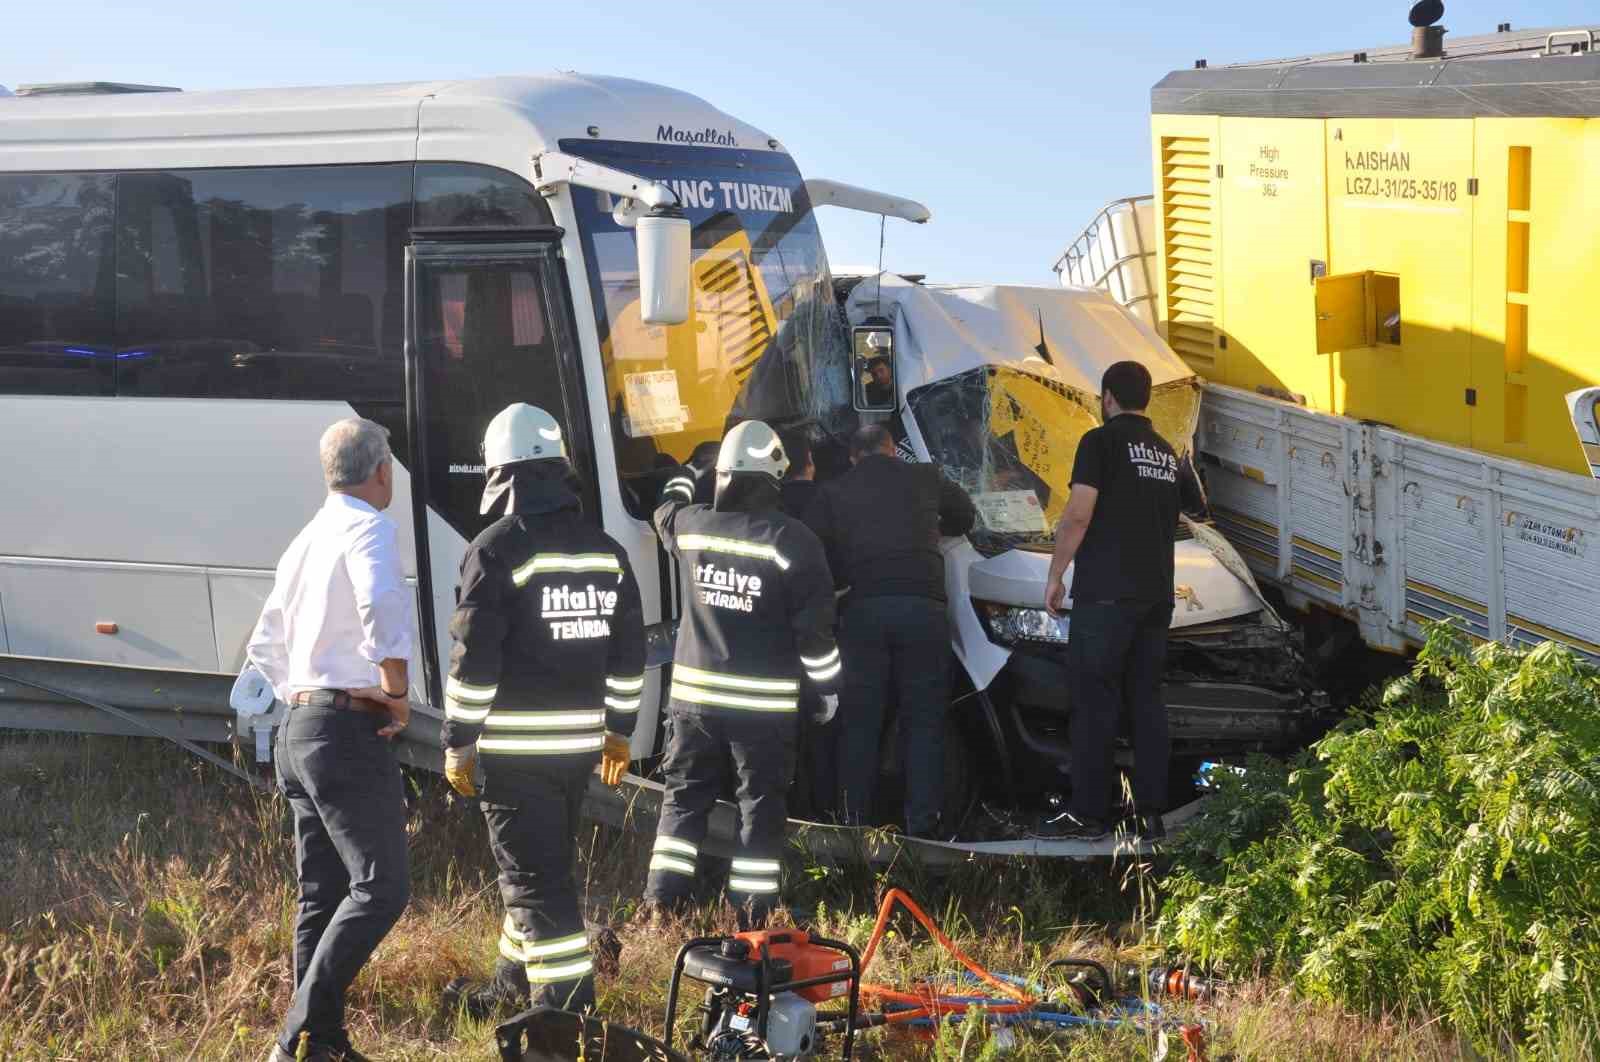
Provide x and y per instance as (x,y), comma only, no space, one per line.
(757,619)
(545,682)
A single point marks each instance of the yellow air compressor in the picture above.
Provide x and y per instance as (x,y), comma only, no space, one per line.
(1406,235)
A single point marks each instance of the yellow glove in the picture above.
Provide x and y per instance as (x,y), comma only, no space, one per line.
(614,760)
(459,767)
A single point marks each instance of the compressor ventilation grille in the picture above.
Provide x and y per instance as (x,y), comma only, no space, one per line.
(1187,203)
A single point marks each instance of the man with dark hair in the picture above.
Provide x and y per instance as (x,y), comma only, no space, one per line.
(881,523)
(1118,526)
(879,384)
(799,487)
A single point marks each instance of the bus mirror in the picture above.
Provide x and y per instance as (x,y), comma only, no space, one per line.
(872,366)
(663,241)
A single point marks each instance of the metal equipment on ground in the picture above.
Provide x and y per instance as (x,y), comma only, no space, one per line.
(764,989)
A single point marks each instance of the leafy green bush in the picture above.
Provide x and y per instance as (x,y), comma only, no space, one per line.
(1435,853)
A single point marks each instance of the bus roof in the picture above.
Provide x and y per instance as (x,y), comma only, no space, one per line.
(499,121)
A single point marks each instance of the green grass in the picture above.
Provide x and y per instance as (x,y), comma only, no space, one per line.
(146,904)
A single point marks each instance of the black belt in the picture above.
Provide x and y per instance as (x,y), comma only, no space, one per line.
(339,699)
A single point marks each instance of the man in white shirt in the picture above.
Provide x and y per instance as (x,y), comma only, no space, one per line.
(334,639)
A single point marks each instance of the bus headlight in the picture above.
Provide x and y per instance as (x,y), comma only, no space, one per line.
(1010,624)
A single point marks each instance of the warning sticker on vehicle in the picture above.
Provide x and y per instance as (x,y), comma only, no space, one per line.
(1010,510)
(650,404)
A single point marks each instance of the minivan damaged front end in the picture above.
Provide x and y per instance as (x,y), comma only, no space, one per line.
(998,384)
(1234,683)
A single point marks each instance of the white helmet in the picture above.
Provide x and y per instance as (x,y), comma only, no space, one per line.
(521,432)
(753,447)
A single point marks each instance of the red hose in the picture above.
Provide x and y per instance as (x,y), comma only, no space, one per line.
(929,1003)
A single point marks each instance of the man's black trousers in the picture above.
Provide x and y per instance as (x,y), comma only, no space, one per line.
(895,649)
(705,750)
(544,950)
(344,786)
(1118,653)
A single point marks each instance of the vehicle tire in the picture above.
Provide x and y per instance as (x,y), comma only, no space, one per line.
(960,777)
(1182,783)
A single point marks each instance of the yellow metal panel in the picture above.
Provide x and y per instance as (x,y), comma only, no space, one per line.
(1190,222)
(1536,282)
(731,323)
(1342,312)
(1398,203)
(1273,193)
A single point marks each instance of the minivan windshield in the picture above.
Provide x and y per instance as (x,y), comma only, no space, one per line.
(762,335)
(1008,436)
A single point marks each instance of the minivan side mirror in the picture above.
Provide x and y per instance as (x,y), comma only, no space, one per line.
(662,237)
(873,387)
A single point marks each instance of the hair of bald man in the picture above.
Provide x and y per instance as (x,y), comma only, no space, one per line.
(871,439)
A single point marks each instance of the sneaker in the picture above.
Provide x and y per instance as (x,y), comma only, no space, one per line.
(1142,828)
(1065,826)
(481,1002)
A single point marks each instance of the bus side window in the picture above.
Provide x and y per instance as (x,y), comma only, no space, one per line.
(56,270)
(262,283)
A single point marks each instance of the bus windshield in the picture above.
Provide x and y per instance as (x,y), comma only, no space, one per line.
(762,331)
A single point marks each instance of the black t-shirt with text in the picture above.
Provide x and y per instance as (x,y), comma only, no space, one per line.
(1126,554)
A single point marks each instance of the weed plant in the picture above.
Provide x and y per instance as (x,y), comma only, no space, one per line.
(1435,854)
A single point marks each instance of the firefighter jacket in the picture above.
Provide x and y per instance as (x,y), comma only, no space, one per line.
(758,612)
(549,640)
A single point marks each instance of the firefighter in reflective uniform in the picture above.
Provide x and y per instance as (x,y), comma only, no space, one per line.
(757,619)
(545,682)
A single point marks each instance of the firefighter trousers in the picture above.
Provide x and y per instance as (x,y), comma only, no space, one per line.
(705,751)
(544,949)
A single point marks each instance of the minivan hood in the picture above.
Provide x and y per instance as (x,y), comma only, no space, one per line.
(1206,591)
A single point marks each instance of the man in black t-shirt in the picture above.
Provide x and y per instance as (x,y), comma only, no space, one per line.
(1119,526)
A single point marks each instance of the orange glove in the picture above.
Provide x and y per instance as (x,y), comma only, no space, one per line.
(614,760)
(459,767)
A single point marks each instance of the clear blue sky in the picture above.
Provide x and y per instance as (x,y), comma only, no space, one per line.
(1014,121)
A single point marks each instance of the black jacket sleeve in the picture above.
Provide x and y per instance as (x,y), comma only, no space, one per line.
(810,592)
(478,628)
(819,517)
(956,511)
(625,655)
(678,493)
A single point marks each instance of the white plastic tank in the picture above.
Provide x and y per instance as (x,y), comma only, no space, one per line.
(1116,253)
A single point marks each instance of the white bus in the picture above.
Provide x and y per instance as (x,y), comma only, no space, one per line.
(193,285)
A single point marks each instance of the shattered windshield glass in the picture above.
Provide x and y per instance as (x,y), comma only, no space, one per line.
(1008,436)
(763,339)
